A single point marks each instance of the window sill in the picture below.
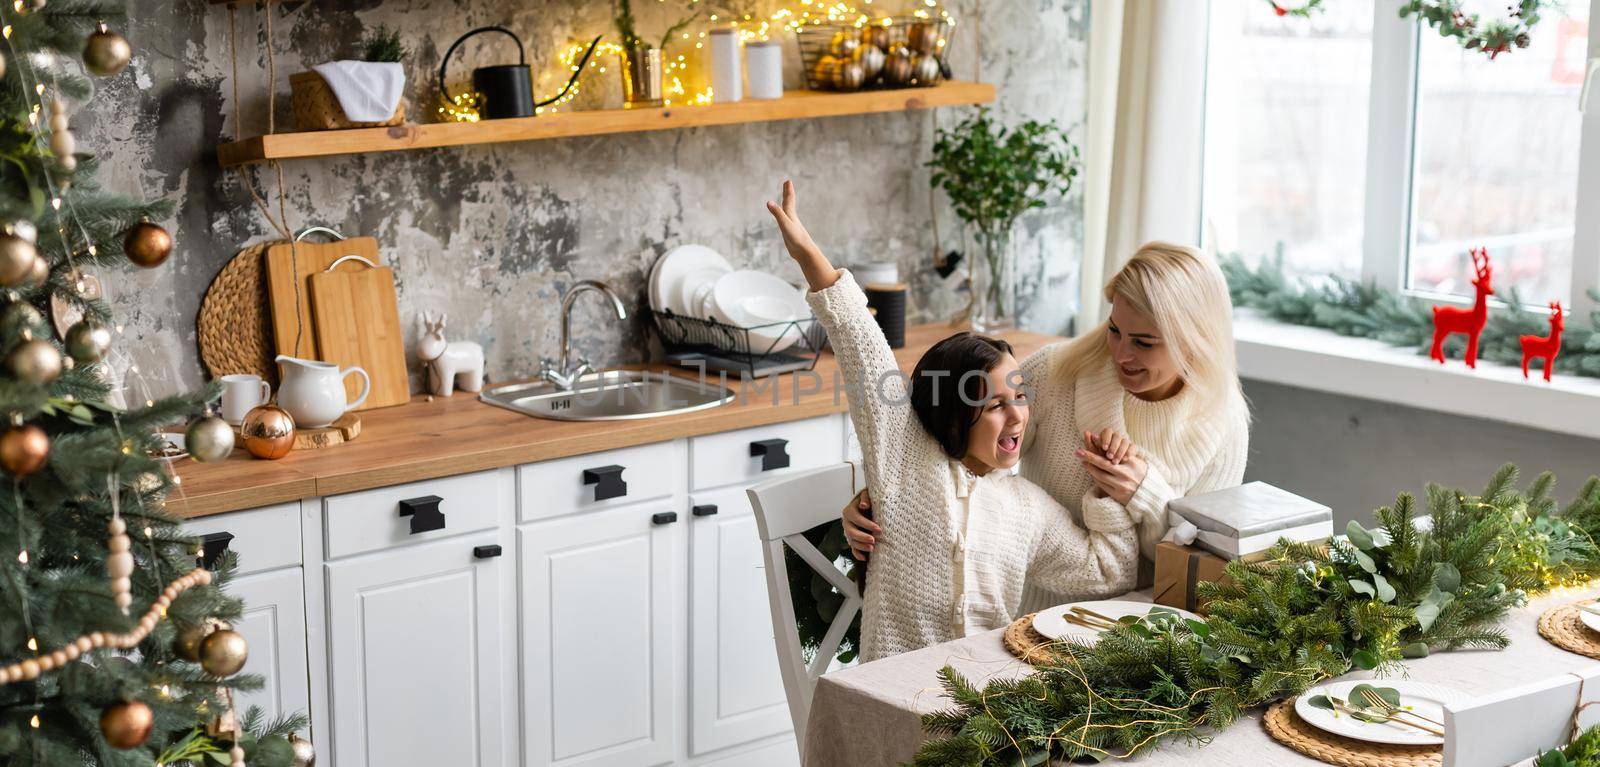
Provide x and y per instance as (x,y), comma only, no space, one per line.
(1321,360)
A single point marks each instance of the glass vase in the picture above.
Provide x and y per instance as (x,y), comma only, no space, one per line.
(642,79)
(994,290)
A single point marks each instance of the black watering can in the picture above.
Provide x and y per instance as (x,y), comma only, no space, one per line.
(507,89)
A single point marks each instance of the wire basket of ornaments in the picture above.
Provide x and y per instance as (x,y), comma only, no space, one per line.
(888,52)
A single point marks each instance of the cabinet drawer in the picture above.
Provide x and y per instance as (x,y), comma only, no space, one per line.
(599,480)
(377,519)
(750,455)
(264,539)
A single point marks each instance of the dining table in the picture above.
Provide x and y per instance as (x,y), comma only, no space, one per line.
(870,714)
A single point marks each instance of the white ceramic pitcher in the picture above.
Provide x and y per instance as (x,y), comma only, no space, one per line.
(313,392)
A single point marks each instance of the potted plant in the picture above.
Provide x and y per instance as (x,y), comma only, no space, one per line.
(354,94)
(993,175)
(642,69)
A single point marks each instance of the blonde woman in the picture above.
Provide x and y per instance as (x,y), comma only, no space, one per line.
(1159,374)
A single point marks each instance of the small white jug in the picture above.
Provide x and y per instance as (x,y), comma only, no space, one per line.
(313,392)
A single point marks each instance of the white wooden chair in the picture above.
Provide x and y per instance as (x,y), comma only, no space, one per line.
(1510,726)
(785,509)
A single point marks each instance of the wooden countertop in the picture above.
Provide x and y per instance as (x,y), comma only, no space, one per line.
(456,435)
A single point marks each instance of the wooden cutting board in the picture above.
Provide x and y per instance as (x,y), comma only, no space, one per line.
(357,321)
(291,312)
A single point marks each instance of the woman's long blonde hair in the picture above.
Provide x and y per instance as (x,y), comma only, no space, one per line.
(1184,293)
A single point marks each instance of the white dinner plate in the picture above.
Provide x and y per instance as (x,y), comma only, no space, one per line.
(677,265)
(1418,697)
(685,302)
(1053,625)
(752,299)
(1590,619)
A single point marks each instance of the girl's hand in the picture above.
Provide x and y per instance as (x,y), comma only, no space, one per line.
(1118,481)
(1112,445)
(819,273)
(859,529)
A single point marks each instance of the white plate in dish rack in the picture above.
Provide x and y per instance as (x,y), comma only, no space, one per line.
(1420,697)
(1052,623)
(674,268)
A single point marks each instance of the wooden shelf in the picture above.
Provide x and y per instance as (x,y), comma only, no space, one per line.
(795,105)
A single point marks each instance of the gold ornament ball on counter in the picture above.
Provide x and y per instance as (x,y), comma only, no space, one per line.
(822,72)
(843,43)
(875,35)
(223,652)
(923,37)
(305,754)
(925,70)
(209,439)
(897,70)
(36,361)
(147,245)
(24,449)
(870,58)
(127,724)
(88,341)
(268,432)
(848,76)
(17,256)
(106,53)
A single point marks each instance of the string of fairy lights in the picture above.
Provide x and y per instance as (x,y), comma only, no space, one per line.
(678,85)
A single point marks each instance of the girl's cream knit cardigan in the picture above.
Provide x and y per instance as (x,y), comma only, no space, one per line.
(1017,533)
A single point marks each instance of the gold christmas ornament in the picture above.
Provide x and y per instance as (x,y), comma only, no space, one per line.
(223,652)
(305,754)
(2,65)
(268,432)
(875,35)
(24,449)
(870,58)
(209,439)
(21,314)
(147,245)
(88,341)
(127,724)
(23,228)
(922,37)
(186,644)
(106,53)
(822,71)
(897,70)
(843,43)
(848,76)
(16,259)
(925,70)
(38,274)
(36,361)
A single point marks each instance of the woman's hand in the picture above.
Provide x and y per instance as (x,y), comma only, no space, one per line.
(859,529)
(1118,481)
(819,273)
(1112,445)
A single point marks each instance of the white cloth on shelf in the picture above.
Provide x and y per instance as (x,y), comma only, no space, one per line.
(368,91)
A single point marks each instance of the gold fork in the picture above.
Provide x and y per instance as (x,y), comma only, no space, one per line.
(1374,699)
(1339,705)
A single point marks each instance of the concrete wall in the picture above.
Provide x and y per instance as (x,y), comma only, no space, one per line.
(493,235)
(1356,455)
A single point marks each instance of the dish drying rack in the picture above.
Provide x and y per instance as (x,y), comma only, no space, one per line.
(753,350)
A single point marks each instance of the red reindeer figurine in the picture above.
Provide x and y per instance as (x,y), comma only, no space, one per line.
(1546,347)
(1451,319)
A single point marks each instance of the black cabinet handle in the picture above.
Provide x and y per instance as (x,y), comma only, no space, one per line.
(424,513)
(664,518)
(707,510)
(608,482)
(774,453)
(486,552)
(212,547)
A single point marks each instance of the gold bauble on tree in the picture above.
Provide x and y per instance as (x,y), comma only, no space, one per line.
(305,754)
(35,361)
(24,449)
(223,652)
(268,432)
(17,256)
(127,724)
(186,644)
(209,439)
(106,53)
(147,245)
(88,341)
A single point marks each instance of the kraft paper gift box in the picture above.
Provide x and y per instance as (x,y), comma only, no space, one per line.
(1179,571)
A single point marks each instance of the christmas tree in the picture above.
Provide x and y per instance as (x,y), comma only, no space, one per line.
(114,646)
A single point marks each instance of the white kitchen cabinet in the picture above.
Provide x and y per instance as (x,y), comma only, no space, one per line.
(417,656)
(603,611)
(735,687)
(274,624)
(748,456)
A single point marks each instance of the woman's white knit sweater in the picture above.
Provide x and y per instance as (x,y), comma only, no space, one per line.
(1016,533)
(1190,447)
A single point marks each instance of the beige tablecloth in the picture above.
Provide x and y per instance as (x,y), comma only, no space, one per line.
(868,714)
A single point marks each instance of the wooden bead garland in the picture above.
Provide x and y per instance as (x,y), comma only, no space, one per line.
(29,669)
(119,564)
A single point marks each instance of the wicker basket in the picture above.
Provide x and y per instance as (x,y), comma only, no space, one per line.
(814,43)
(316,108)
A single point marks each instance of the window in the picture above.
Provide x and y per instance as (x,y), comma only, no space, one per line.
(1392,179)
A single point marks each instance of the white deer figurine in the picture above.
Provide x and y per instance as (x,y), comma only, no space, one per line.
(450,363)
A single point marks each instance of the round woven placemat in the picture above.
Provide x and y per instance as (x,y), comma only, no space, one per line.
(1020,639)
(235,322)
(1561,627)
(1286,727)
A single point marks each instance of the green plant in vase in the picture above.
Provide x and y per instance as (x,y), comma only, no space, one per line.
(993,175)
(643,66)
(383,45)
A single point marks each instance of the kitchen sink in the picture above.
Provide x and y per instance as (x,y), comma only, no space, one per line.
(615,395)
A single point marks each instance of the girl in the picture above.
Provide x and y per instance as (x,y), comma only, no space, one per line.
(967,532)
(1160,373)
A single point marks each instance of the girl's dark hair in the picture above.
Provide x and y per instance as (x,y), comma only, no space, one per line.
(948,383)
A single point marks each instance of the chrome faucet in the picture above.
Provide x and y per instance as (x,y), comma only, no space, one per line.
(563,374)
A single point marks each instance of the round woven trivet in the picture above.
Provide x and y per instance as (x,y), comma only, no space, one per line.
(1286,727)
(1020,639)
(235,322)
(1562,627)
